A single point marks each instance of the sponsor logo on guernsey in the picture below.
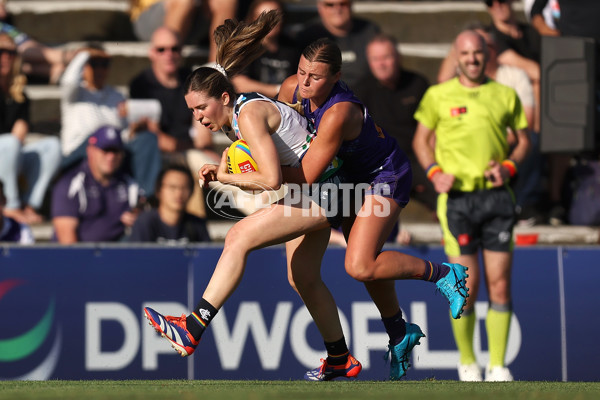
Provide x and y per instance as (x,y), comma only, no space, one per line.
(457,111)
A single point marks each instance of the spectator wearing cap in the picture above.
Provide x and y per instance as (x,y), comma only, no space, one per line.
(89,102)
(95,201)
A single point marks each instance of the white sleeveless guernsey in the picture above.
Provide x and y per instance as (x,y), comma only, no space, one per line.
(293,136)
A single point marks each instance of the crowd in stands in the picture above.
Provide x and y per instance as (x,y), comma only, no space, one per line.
(109,177)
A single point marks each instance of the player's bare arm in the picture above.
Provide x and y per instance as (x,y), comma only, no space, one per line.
(288,87)
(257,121)
(341,122)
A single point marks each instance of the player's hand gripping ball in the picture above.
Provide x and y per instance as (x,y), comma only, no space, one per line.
(239,158)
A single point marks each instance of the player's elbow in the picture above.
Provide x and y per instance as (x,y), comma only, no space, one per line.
(275,185)
(274,182)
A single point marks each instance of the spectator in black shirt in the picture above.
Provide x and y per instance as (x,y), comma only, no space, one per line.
(170,223)
(180,138)
(392,94)
(350,33)
(279,61)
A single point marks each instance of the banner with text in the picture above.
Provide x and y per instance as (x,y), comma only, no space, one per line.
(77,314)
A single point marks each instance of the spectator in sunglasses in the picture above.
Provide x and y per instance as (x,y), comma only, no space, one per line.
(96,201)
(180,139)
(89,102)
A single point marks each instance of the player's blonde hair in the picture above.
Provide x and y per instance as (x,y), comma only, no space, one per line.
(238,44)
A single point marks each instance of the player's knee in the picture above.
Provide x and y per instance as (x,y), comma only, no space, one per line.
(304,283)
(359,269)
(237,239)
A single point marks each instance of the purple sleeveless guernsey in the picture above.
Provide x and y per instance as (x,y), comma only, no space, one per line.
(374,156)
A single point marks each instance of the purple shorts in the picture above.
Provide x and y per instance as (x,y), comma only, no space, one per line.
(394,185)
(393,179)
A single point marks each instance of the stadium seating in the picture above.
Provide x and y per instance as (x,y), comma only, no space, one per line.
(424,30)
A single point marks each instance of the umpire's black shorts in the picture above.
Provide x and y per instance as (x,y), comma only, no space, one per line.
(479,219)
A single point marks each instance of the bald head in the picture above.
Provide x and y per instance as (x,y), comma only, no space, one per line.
(165,53)
(472,54)
(163,33)
(469,38)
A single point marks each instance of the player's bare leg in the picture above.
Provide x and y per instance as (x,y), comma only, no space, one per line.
(261,229)
(365,262)
(305,255)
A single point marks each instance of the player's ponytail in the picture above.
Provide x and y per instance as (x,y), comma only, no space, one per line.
(238,44)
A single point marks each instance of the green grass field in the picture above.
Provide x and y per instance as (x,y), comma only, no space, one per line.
(291,390)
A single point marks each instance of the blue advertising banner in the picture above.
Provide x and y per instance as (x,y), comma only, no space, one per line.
(76,313)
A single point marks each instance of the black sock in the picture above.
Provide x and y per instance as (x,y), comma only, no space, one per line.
(395,327)
(199,319)
(337,352)
(434,272)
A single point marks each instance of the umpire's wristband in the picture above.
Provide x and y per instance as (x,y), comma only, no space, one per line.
(432,170)
(510,166)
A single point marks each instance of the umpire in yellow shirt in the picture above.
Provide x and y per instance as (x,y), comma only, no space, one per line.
(470,167)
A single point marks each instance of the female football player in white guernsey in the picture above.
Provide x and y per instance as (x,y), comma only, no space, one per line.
(277,135)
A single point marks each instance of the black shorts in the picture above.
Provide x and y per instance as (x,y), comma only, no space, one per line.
(480,219)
